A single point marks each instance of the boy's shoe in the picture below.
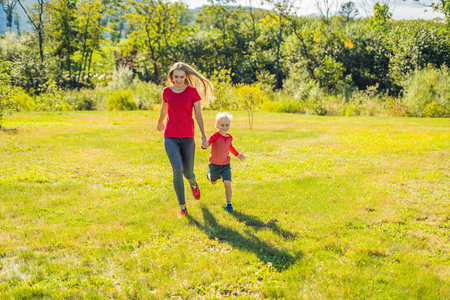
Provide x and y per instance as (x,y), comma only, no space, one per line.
(182,212)
(229,207)
(196,191)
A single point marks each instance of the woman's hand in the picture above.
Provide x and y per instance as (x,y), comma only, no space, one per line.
(162,116)
(205,142)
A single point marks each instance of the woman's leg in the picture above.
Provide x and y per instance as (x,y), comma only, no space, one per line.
(187,152)
(172,146)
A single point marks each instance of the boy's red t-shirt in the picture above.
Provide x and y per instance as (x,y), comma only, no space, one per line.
(180,106)
(221,146)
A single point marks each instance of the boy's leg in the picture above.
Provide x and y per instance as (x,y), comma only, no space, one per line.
(208,176)
(213,174)
(228,191)
(226,176)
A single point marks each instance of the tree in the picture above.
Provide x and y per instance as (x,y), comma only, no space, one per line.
(368,6)
(64,32)
(325,8)
(348,11)
(156,25)
(281,10)
(416,45)
(255,47)
(36,18)
(226,29)
(381,16)
(9,7)
(90,32)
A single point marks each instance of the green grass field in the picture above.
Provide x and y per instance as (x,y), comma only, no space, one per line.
(325,207)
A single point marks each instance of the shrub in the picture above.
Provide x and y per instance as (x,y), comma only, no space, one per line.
(224,94)
(122,78)
(250,98)
(121,100)
(424,87)
(434,110)
(23,100)
(25,68)
(147,94)
(11,46)
(85,99)
(7,93)
(285,106)
(298,87)
(54,99)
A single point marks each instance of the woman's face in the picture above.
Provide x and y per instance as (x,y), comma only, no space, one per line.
(179,78)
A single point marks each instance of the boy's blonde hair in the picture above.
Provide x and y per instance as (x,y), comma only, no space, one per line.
(193,78)
(223,115)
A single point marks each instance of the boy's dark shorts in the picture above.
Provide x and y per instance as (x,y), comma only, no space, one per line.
(217,171)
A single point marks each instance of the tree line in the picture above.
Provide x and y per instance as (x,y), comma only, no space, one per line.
(337,50)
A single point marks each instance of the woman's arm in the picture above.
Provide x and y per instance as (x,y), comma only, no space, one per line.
(162,116)
(199,118)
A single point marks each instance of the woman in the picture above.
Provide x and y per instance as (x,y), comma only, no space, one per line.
(179,100)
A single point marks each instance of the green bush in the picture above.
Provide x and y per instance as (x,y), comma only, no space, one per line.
(7,92)
(284,105)
(121,100)
(24,101)
(224,93)
(122,78)
(54,99)
(147,94)
(85,99)
(298,87)
(434,110)
(427,92)
(26,69)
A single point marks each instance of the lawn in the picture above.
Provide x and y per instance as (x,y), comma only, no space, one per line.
(325,207)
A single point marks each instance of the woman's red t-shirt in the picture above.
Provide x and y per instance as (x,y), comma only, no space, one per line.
(180,106)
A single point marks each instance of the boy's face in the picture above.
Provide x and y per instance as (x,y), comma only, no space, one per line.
(223,125)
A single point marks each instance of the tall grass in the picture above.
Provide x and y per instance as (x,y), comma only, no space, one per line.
(325,207)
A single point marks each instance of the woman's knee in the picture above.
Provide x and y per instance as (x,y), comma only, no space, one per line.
(177,173)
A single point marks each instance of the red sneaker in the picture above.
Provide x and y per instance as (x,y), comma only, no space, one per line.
(195,192)
(182,213)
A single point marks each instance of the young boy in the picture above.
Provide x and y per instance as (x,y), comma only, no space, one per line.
(219,161)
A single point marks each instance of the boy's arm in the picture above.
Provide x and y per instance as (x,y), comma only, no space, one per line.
(233,150)
(235,153)
(210,141)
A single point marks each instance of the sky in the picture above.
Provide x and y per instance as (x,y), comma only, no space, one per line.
(401,10)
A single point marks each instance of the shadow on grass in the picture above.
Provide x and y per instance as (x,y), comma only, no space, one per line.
(279,259)
(9,131)
(258,224)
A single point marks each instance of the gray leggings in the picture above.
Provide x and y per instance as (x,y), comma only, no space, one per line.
(181,153)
